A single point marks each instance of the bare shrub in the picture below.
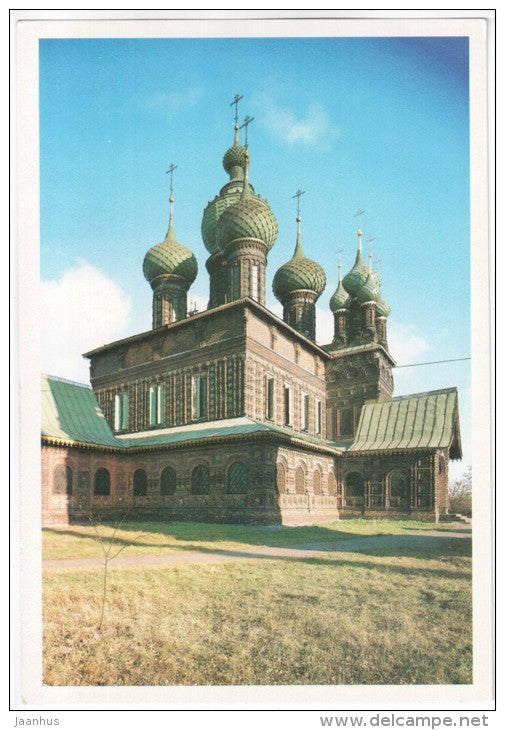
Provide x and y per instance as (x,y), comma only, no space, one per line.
(460,494)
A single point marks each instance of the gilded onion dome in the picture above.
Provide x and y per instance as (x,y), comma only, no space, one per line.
(340,298)
(250,217)
(358,274)
(298,273)
(170,257)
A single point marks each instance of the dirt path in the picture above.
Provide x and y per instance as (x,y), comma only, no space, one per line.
(429,540)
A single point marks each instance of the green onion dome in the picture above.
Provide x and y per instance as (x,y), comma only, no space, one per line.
(358,274)
(234,161)
(250,217)
(170,257)
(298,273)
(228,195)
(369,291)
(340,299)
(383,308)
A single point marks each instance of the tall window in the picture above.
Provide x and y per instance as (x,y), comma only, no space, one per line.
(255,277)
(199,396)
(345,422)
(270,399)
(102,483)
(168,481)
(287,405)
(238,478)
(304,411)
(235,282)
(319,417)
(200,479)
(299,481)
(156,404)
(140,483)
(121,411)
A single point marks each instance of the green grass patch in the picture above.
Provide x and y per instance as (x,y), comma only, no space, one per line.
(158,538)
(350,618)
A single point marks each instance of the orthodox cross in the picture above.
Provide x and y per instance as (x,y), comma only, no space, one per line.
(170,172)
(358,216)
(297,195)
(235,102)
(246,123)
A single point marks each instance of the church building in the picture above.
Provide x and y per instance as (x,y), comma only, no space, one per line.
(234,415)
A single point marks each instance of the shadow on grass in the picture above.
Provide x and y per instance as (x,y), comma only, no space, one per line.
(427,547)
(268,536)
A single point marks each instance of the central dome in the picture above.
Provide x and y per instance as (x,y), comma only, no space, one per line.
(250,217)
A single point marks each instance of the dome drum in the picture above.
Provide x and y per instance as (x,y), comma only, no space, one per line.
(170,281)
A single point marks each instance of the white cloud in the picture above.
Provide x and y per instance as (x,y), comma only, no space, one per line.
(312,129)
(173,102)
(406,344)
(82,310)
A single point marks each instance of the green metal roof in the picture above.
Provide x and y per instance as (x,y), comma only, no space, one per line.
(421,421)
(225,428)
(70,413)
(71,416)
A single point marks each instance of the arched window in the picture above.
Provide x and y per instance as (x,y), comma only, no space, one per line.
(140,483)
(238,478)
(332,484)
(63,480)
(299,481)
(316,482)
(168,481)
(281,479)
(200,480)
(102,482)
(354,485)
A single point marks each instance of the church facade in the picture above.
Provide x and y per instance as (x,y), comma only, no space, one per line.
(235,415)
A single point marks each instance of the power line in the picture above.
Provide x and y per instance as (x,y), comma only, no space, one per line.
(433,362)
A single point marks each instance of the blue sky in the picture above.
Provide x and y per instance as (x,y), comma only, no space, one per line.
(380,124)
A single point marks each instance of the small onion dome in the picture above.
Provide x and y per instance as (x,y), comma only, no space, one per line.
(250,217)
(340,299)
(234,161)
(357,275)
(369,291)
(298,273)
(383,308)
(170,257)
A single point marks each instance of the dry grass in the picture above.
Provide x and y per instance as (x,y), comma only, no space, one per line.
(157,538)
(346,619)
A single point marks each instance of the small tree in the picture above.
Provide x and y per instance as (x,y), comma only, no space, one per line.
(460,494)
(110,550)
